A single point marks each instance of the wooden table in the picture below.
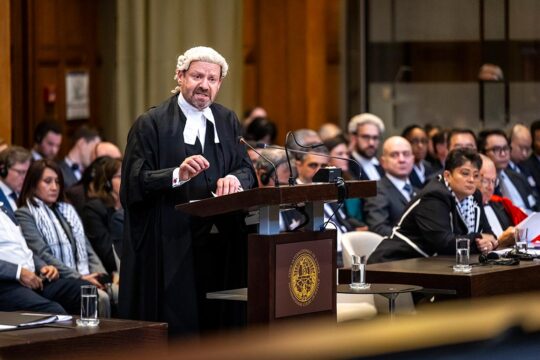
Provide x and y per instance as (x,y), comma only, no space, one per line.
(435,274)
(66,340)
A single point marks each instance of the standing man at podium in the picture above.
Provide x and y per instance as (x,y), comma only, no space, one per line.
(182,150)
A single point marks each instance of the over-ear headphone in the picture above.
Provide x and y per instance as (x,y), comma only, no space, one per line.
(108,186)
(266,176)
(3,170)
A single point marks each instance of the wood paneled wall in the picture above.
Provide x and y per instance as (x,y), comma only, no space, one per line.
(50,38)
(292,58)
(5,72)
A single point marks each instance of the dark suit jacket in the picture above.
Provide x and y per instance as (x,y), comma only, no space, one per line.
(67,172)
(430,226)
(532,165)
(382,212)
(415,180)
(4,199)
(502,215)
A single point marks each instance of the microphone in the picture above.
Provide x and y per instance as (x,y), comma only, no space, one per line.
(266,146)
(292,182)
(243,141)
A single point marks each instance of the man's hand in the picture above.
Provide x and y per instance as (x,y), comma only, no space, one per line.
(507,239)
(92,278)
(30,280)
(50,272)
(486,243)
(227,185)
(192,166)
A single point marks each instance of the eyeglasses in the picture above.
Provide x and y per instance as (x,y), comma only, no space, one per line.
(19,171)
(367,137)
(418,141)
(498,150)
(485,182)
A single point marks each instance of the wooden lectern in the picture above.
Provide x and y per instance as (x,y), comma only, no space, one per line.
(289,273)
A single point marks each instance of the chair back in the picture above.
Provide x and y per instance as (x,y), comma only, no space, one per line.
(361,243)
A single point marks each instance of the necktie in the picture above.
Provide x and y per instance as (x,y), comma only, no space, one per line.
(13,195)
(408,189)
(75,167)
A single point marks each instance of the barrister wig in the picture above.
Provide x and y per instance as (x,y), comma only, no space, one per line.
(365,118)
(201,53)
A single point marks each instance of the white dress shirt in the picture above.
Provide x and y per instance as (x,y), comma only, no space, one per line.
(13,247)
(493,220)
(420,171)
(509,190)
(368,165)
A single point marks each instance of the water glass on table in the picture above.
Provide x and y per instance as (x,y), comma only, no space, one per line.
(358,273)
(89,306)
(462,255)
(521,236)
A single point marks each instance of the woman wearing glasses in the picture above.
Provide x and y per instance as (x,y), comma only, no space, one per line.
(449,206)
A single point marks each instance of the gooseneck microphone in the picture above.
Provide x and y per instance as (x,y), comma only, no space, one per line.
(266,146)
(276,179)
(292,181)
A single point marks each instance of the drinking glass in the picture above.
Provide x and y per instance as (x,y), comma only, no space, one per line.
(358,273)
(462,255)
(89,306)
(521,236)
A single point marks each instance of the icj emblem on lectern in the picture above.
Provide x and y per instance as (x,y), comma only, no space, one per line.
(304,277)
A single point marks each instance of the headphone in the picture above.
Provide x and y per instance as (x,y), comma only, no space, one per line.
(108,186)
(493,258)
(3,170)
(269,172)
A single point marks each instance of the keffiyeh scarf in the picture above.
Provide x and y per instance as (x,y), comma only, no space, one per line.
(466,209)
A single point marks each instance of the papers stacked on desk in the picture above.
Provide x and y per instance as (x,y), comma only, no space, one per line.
(532,224)
(17,320)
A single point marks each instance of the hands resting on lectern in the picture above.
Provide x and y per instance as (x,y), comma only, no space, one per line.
(194,165)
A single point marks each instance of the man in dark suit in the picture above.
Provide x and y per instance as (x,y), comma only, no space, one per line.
(532,164)
(79,156)
(184,149)
(512,185)
(14,163)
(521,142)
(365,132)
(47,140)
(394,191)
(422,170)
(26,282)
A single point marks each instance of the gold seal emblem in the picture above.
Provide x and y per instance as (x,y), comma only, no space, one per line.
(304,277)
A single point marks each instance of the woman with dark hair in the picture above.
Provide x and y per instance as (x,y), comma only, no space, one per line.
(449,206)
(261,129)
(102,215)
(54,231)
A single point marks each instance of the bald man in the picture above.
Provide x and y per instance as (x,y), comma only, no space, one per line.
(394,190)
(521,144)
(106,148)
(501,213)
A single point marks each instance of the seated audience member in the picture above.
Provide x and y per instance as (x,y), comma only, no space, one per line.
(501,214)
(394,191)
(100,211)
(461,138)
(520,150)
(365,132)
(79,157)
(21,287)
(106,148)
(261,130)
(329,131)
(512,185)
(77,195)
(54,231)
(337,147)
(532,164)
(440,150)
(14,163)
(47,140)
(253,113)
(447,207)
(266,174)
(422,170)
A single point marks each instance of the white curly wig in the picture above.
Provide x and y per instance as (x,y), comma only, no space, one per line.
(200,53)
(365,118)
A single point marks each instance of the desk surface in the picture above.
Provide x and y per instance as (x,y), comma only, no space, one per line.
(110,335)
(378,289)
(436,273)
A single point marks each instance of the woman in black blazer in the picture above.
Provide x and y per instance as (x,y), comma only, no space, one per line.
(102,211)
(449,206)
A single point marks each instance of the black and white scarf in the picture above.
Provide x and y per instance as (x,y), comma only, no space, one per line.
(52,231)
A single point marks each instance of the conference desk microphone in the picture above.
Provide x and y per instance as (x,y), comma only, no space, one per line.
(276,179)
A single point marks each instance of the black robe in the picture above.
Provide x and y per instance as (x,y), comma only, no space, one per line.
(157,272)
